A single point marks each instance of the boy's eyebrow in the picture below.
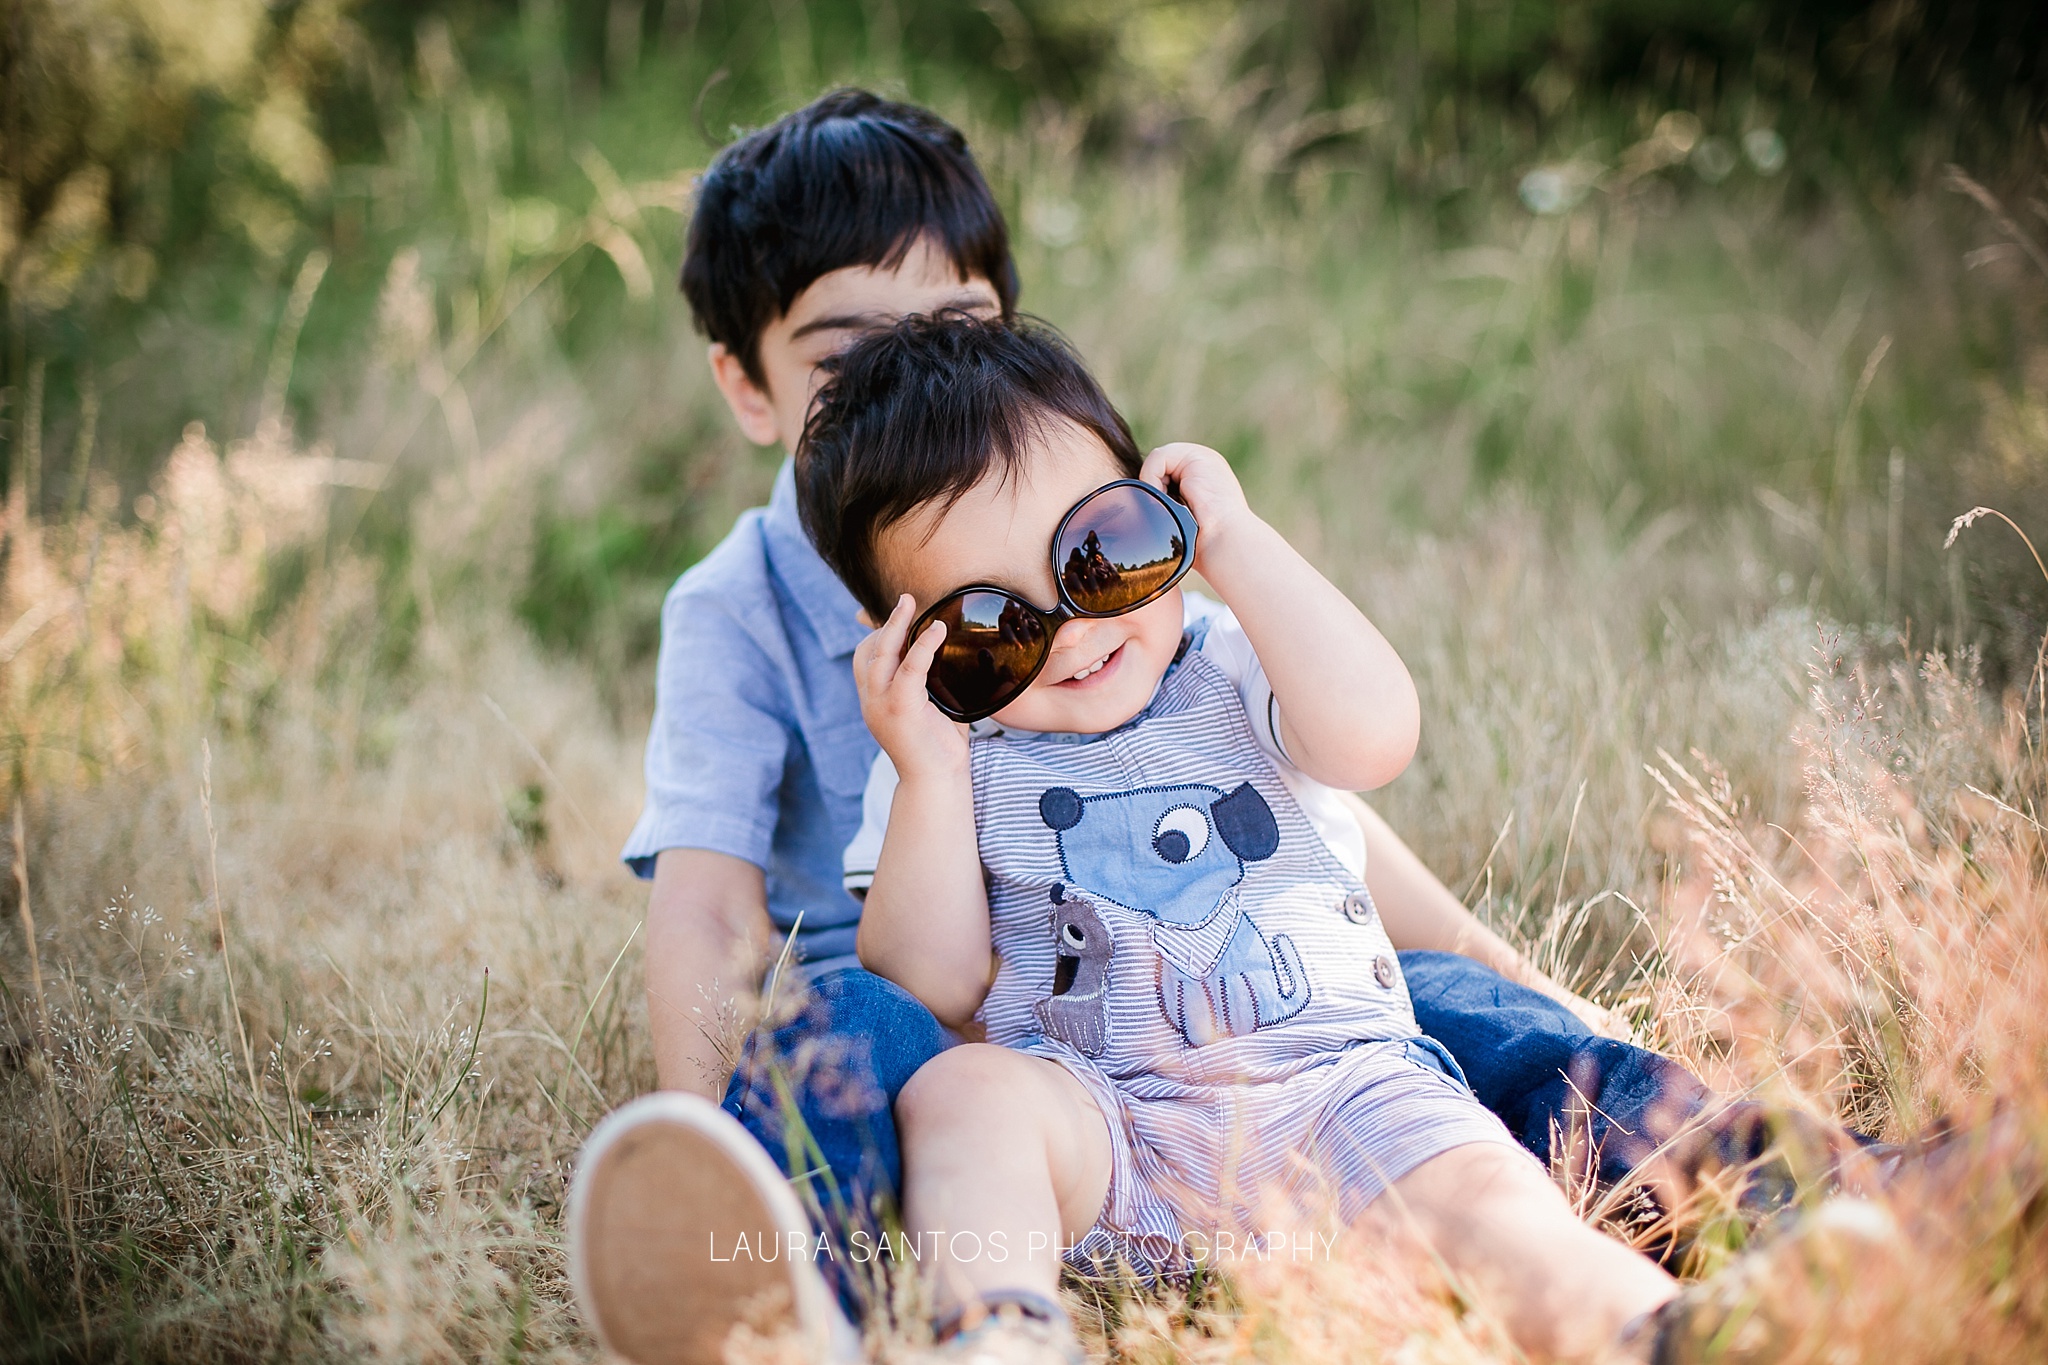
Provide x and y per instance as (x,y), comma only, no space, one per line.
(966,301)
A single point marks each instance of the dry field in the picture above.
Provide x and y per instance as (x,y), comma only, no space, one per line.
(318,960)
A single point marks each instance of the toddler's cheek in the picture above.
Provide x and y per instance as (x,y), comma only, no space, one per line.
(1155,639)
(1159,624)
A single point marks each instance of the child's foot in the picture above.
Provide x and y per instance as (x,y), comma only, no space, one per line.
(1781,1157)
(1769,1303)
(681,1230)
(1014,1328)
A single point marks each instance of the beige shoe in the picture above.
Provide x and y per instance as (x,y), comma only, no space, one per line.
(681,1229)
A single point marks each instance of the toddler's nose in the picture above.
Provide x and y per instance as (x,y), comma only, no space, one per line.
(1080,643)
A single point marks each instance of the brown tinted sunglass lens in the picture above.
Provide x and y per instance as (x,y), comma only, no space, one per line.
(993,647)
(1118,548)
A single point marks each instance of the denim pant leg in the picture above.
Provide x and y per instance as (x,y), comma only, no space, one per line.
(818,1092)
(1532,1062)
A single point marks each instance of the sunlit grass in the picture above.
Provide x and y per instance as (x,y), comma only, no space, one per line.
(323,752)
(261,1103)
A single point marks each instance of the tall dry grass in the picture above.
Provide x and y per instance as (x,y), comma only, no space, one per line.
(329,977)
(325,983)
(320,963)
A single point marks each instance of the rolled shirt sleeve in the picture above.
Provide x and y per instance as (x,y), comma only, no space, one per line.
(719,744)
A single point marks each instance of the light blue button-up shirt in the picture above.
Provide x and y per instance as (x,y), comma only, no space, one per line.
(757,748)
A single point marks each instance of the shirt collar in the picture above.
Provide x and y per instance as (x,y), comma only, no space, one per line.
(824,600)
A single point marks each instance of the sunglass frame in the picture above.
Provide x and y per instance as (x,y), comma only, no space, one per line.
(1064,608)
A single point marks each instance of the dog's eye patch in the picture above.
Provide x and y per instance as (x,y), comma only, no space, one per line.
(1182,833)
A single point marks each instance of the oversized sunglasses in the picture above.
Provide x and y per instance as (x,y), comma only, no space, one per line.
(1116,550)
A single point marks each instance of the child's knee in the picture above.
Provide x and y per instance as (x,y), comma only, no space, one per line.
(1473,1188)
(974,1081)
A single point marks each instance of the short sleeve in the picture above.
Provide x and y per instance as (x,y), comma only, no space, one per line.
(719,742)
(1225,644)
(866,849)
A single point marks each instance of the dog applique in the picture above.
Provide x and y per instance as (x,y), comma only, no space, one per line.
(1077,1011)
(1177,854)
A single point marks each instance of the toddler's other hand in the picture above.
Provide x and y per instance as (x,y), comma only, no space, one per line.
(889,669)
(1204,480)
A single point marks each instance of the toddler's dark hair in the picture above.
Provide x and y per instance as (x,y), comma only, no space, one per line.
(850,179)
(924,411)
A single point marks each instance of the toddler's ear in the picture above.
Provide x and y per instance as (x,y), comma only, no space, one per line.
(865,619)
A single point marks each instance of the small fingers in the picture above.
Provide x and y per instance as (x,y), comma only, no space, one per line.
(1162,465)
(917,659)
(864,655)
(889,636)
(875,658)
(1177,465)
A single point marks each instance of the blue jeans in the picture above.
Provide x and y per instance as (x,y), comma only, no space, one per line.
(819,1094)
(1543,1072)
(1547,1076)
(838,1065)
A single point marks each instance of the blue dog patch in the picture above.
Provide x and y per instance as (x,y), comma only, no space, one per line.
(1176,854)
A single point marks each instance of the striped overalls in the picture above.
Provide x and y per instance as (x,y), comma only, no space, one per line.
(1173,931)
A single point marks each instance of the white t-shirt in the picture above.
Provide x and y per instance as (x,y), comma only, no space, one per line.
(1226,646)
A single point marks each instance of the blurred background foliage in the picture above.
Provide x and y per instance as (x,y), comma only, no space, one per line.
(341,215)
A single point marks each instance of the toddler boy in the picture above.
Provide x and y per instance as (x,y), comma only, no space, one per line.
(1194,1012)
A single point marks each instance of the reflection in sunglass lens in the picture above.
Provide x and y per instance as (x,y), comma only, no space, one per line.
(994,646)
(1119,548)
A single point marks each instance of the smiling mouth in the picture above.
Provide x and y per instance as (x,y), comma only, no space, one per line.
(1089,671)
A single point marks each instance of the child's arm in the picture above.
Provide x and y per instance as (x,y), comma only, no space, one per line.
(925,924)
(1348,712)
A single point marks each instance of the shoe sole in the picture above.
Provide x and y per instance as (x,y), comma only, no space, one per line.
(681,1229)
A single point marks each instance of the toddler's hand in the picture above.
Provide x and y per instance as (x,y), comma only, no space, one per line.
(890,670)
(1204,480)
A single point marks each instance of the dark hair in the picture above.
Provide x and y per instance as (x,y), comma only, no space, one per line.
(924,411)
(850,179)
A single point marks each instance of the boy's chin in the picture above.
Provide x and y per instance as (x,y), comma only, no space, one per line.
(1070,714)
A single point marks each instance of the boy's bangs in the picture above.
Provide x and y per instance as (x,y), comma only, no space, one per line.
(988,447)
(850,180)
(870,194)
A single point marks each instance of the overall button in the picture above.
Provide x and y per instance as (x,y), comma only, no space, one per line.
(1383,970)
(1357,908)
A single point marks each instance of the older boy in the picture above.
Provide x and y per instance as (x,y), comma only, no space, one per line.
(834,222)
